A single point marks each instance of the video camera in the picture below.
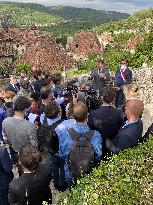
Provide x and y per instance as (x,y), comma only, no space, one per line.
(92,96)
(72,89)
(92,99)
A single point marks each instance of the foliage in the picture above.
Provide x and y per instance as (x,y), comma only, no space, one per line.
(86,14)
(125,179)
(84,66)
(139,22)
(57,20)
(23,67)
(62,40)
(14,14)
(78,19)
(4,70)
(144,51)
(114,56)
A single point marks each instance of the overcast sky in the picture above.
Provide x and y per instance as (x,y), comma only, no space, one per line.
(128,6)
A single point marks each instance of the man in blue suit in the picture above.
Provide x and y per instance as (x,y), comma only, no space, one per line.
(123,76)
(6,175)
(13,85)
(131,133)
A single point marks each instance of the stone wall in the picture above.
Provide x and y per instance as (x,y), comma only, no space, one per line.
(3,82)
(143,77)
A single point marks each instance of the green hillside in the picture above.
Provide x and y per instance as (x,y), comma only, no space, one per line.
(86,14)
(81,19)
(14,14)
(139,22)
(57,20)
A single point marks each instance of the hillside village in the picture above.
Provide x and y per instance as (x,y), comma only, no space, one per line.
(19,45)
(109,40)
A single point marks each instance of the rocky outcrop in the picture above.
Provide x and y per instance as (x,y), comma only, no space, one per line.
(143,78)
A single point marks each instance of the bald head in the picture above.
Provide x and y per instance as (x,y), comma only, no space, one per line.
(80,112)
(134,108)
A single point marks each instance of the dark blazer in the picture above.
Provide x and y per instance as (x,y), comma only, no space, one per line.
(11,88)
(32,188)
(128,136)
(6,174)
(118,79)
(107,120)
(37,85)
(98,82)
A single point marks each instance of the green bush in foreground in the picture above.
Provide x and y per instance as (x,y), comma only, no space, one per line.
(126,180)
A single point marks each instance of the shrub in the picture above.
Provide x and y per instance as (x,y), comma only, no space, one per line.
(127,179)
(23,67)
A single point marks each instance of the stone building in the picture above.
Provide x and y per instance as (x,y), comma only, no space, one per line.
(36,48)
(84,43)
(46,54)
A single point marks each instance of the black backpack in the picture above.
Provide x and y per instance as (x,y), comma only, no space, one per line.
(47,137)
(81,158)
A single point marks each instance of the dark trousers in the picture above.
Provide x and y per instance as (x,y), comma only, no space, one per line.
(57,165)
(14,155)
(4,197)
(119,101)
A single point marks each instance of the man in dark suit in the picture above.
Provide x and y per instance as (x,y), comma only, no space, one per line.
(131,133)
(6,175)
(13,85)
(32,187)
(37,83)
(100,76)
(107,120)
(123,76)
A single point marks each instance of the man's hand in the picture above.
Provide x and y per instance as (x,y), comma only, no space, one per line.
(102,75)
(117,88)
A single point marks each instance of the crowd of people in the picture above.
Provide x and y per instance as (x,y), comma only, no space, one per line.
(47,136)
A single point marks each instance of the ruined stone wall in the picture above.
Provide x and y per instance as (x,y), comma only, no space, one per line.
(143,78)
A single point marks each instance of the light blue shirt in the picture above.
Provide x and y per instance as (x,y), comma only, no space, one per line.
(129,123)
(65,145)
(65,124)
(59,100)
